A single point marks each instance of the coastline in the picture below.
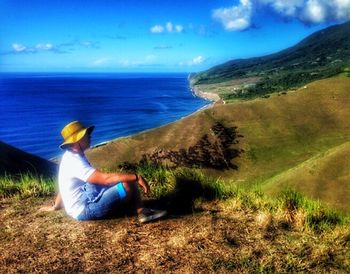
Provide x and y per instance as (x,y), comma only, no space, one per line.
(205,95)
(213,97)
(210,105)
(210,97)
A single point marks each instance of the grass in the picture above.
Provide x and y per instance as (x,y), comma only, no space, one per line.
(186,187)
(217,226)
(174,187)
(25,186)
(312,214)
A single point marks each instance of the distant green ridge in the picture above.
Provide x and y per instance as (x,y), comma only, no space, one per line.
(323,54)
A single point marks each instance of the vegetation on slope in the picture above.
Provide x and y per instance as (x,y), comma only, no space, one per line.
(272,135)
(323,54)
(15,161)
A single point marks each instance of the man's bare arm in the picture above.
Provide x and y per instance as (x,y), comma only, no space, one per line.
(103,178)
(109,179)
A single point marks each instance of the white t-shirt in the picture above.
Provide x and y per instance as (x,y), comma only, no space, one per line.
(74,171)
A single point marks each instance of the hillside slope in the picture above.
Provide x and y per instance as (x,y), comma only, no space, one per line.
(14,161)
(323,54)
(325,176)
(252,141)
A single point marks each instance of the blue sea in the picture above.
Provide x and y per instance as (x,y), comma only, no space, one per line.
(35,107)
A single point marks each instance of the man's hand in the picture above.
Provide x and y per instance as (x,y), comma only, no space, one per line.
(57,205)
(47,208)
(143,183)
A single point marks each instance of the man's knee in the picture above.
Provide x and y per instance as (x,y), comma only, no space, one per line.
(129,188)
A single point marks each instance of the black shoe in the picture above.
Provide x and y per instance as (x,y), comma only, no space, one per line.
(148,215)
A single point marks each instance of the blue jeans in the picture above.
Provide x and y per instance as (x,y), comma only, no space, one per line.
(100,201)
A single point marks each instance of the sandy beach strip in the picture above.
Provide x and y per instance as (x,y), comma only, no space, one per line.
(199,93)
(205,95)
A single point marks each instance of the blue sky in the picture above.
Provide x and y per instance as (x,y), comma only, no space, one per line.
(153,35)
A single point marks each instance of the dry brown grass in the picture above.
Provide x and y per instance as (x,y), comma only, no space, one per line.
(219,237)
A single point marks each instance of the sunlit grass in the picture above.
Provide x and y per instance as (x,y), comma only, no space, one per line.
(192,185)
(25,186)
(290,207)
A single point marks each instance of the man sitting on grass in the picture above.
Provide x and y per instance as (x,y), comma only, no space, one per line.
(88,193)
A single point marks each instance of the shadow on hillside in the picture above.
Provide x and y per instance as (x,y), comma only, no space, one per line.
(179,202)
(15,162)
(214,150)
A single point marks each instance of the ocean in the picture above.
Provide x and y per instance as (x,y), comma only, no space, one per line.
(35,107)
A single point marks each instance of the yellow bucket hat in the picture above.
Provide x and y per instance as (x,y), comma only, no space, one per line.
(73,132)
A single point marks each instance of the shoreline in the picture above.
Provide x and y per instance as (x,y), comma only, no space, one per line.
(154,128)
(210,97)
(205,95)
(213,97)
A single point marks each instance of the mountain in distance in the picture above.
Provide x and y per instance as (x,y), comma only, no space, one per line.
(323,54)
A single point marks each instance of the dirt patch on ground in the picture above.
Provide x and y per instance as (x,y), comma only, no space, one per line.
(215,237)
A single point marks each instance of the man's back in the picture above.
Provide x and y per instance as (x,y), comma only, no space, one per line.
(73,173)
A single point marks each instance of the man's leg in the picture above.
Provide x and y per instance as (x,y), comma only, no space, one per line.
(102,201)
(133,195)
(145,214)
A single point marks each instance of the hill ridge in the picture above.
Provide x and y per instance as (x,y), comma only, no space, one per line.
(14,161)
(304,163)
(322,54)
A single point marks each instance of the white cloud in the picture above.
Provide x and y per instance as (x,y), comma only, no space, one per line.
(100,61)
(342,10)
(285,7)
(86,43)
(239,17)
(314,11)
(125,63)
(44,46)
(195,61)
(168,27)
(150,58)
(179,28)
(319,11)
(18,47)
(143,61)
(163,47)
(157,29)
(235,18)
(198,60)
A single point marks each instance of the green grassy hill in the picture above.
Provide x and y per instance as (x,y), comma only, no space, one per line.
(14,161)
(267,142)
(323,54)
(325,176)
